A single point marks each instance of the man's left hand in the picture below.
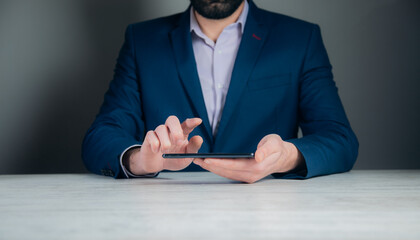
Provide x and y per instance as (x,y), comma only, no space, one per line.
(273,155)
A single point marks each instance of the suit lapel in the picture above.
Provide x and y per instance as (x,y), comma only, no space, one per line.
(252,41)
(187,68)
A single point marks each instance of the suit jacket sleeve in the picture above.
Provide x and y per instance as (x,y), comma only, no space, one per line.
(328,144)
(119,123)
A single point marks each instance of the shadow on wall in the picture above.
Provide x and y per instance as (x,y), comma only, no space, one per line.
(75,87)
(387,74)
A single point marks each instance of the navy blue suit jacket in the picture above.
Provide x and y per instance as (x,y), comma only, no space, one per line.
(281,81)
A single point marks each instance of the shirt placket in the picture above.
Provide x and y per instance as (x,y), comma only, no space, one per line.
(219,73)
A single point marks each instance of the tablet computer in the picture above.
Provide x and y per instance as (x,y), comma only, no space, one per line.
(208,155)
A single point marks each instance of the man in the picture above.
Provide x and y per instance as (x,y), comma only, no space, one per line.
(240,79)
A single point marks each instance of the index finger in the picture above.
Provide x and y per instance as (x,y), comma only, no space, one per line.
(189,124)
(238,164)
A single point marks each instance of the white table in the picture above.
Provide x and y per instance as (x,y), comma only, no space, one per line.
(355,205)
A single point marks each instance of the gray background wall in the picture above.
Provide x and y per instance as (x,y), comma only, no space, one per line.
(57,59)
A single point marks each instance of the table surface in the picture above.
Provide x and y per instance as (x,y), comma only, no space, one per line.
(381,204)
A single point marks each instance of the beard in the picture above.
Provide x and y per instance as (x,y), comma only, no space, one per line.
(216,9)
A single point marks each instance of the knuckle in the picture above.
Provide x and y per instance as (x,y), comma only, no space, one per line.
(272,143)
(160,128)
(149,134)
(149,137)
(277,138)
(172,119)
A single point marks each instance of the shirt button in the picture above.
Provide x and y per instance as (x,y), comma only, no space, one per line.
(219,52)
(219,85)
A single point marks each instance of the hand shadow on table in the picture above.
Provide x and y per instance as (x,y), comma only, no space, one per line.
(196,181)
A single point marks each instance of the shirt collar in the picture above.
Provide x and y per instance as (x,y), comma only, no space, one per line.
(194,26)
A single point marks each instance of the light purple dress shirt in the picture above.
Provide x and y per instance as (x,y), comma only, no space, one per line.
(215,61)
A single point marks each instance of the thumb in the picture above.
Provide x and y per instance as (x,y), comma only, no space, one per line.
(194,144)
(267,146)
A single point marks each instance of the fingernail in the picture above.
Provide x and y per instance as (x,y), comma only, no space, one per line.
(196,162)
(207,161)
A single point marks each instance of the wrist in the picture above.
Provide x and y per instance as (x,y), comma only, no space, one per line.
(297,156)
(130,161)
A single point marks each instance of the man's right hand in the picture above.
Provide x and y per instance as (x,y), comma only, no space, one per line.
(171,137)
